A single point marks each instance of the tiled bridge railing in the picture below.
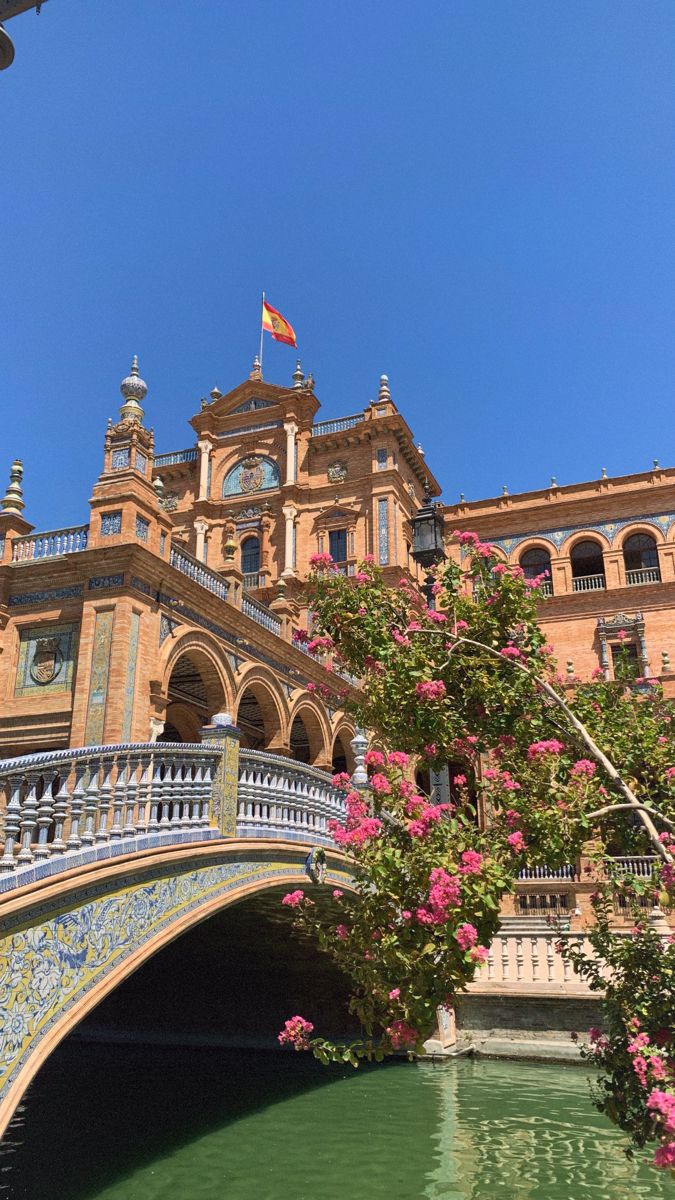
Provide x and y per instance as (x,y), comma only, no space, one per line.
(64,809)
(280,798)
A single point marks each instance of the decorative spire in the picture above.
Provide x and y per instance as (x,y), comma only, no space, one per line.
(384,393)
(12,501)
(603,473)
(158,487)
(256,369)
(298,375)
(419,449)
(134,390)
(554,481)
(505,490)
(655,464)
(215,394)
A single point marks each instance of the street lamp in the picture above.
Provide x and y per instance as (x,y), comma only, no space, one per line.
(12,8)
(427,544)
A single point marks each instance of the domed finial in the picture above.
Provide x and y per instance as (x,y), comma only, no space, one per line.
(384,393)
(419,449)
(12,500)
(655,464)
(603,473)
(298,375)
(158,487)
(256,369)
(215,394)
(554,481)
(505,490)
(134,390)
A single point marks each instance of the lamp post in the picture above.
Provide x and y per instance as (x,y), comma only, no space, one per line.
(427,541)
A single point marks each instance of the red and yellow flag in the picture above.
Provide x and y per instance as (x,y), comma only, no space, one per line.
(277,325)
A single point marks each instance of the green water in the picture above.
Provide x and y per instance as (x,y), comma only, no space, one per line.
(132,1123)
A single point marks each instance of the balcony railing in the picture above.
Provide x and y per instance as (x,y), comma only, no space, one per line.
(566,871)
(588,583)
(196,570)
(51,544)
(336,426)
(643,575)
(279,798)
(641,865)
(261,613)
(545,588)
(176,456)
(254,579)
(518,962)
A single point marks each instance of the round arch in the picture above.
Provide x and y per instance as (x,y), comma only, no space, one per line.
(307,711)
(198,682)
(532,543)
(643,527)
(342,755)
(144,940)
(261,710)
(584,535)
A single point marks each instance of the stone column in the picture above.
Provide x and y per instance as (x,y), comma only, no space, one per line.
(291,431)
(225,783)
(200,529)
(290,513)
(205,453)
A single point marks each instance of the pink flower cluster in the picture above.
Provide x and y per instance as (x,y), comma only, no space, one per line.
(431,689)
(467,936)
(439,618)
(425,817)
(517,842)
(397,758)
(296,1033)
(472,863)
(552,746)
(320,561)
(369,827)
(444,894)
(374,758)
(511,652)
(583,766)
(662,1105)
(342,779)
(320,643)
(293,899)
(401,1034)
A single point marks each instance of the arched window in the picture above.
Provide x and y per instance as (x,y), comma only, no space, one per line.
(250,561)
(588,568)
(537,561)
(641,559)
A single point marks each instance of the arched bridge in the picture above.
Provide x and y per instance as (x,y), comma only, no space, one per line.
(111,852)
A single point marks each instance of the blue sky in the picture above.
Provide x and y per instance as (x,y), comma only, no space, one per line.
(473,196)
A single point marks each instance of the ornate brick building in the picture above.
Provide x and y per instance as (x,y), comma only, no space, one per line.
(177,598)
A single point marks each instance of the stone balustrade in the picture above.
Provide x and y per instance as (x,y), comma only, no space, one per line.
(588,583)
(280,798)
(51,544)
(641,865)
(65,809)
(70,807)
(336,426)
(191,454)
(198,571)
(566,871)
(261,613)
(529,963)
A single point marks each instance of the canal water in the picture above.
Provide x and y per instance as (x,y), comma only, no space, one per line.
(153,1123)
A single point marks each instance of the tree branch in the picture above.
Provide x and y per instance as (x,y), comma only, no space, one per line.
(589,743)
(612,808)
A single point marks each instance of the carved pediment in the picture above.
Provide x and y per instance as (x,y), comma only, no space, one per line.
(337,515)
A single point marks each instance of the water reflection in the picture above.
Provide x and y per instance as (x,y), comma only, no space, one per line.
(141,1124)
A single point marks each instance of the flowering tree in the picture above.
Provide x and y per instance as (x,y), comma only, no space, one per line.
(558,762)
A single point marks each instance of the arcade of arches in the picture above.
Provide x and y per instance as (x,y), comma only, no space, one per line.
(298,727)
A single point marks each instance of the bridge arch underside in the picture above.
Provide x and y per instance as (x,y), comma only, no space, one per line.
(196,689)
(66,953)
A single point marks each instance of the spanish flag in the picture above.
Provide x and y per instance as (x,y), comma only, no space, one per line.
(277,325)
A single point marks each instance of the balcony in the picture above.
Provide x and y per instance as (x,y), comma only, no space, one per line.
(254,579)
(588,583)
(643,575)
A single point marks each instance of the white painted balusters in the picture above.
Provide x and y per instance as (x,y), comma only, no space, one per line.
(73,806)
(280,798)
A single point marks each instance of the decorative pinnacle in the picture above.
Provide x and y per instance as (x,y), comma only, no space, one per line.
(665,662)
(384,393)
(12,500)
(462,498)
(655,464)
(419,449)
(298,375)
(256,369)
(505,490)
(215,394)
(603,473)
(554,481)
(158,487)
(134,390)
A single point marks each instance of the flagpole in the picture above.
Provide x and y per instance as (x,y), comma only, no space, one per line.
(261,331)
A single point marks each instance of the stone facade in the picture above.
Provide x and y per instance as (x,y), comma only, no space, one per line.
(179,596)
